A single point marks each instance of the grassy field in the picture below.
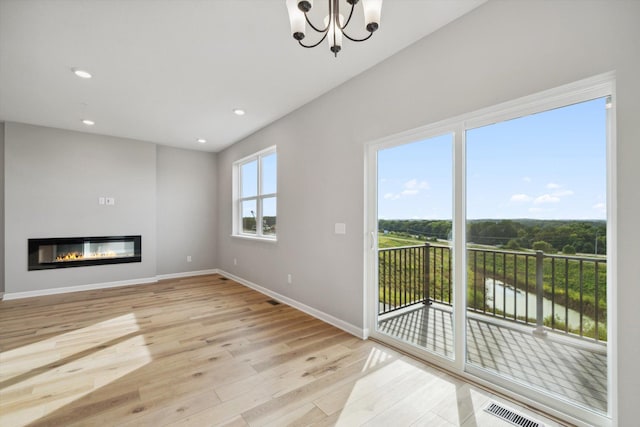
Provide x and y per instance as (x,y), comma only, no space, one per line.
(394,241)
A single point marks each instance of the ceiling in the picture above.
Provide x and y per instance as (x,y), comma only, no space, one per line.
(170,71)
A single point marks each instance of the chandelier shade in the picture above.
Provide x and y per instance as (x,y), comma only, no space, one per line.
(334,25)
(372,11)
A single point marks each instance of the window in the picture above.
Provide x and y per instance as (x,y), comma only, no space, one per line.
(255,192)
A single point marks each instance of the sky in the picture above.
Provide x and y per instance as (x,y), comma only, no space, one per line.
(249,173)
(550,165)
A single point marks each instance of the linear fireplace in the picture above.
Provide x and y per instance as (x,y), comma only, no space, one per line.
(66,252)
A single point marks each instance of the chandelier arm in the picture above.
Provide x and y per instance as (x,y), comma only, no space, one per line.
(317,30)
(353,5)
(313,45)
(357,40)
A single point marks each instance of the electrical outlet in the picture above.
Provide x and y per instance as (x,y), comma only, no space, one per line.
(101,201)
(289,280)
(188,258)
(110,201)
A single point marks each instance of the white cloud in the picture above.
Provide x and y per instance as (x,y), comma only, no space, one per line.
(600,207)
(520,198)
(413,184)
(553,197)
(413,187)
(526,179)
(562,193)
(410,188)
(546,198)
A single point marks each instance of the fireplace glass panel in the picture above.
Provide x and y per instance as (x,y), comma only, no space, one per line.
(82,251)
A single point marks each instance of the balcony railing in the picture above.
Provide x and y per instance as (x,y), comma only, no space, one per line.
(559,292)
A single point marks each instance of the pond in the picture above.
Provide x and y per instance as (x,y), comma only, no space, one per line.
(504,300)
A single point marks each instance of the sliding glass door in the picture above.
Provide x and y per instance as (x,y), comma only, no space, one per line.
(490,246)
(414,214)
(537,251)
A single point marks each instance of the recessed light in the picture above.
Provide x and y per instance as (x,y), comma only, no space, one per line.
(88,122)
(81,73)
(238,112)
(201,140)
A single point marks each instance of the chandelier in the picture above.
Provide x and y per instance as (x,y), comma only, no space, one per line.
(334,24)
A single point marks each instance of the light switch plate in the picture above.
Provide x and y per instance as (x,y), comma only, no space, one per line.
(340,228)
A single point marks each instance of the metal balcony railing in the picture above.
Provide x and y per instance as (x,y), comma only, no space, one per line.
(559,292)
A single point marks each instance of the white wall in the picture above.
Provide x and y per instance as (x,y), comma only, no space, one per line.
(53,181)
(1,207)
(499,52)
(54,178)
(186,198)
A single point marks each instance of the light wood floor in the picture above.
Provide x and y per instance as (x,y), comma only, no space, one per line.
(207,351)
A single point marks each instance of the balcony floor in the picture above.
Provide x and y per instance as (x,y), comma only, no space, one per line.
(569,367)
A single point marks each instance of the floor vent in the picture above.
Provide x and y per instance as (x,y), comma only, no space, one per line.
(273,302)
(511,416)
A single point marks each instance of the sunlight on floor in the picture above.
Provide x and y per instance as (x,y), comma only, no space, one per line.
(365,402)
(375,358)
(59,366)
(51,350)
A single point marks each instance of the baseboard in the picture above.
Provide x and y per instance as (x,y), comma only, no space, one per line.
(96,286)
(187,274)
(91,287)
(327,318)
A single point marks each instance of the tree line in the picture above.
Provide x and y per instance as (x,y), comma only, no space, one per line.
(550,236)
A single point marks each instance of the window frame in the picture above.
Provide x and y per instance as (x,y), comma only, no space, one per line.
(259,197)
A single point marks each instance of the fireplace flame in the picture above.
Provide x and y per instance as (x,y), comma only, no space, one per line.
(77,256)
